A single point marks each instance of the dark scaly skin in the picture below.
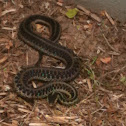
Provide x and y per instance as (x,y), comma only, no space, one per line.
(55,78)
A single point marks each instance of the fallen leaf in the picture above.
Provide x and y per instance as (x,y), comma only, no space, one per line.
(38,26)
(98,62)
(123,79)
(106,60)
(3,59)
(9,45)
(60,1)
(71,13)
(89,26)
(111,109)
(98,122)
(102,13)
(14,122)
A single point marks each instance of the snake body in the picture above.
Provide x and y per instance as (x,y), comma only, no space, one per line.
(54,78)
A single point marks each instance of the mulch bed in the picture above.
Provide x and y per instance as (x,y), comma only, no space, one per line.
(98,40)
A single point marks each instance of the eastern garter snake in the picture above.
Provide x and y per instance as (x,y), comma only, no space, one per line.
(55,86)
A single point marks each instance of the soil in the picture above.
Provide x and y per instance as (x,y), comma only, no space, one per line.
(102,81)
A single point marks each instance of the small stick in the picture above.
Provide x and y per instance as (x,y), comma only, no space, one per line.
(108,43)
(89,85)
(8,11)
(9,29)
(87,12)
(27,58)
(111,20)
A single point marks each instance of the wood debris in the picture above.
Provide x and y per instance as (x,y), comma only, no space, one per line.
(87,12)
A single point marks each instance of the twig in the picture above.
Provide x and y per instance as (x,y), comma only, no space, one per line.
(114,53)
(3,59)
(27,58)
(114,71)
(38,124)
(111,20)
(87,12)
(13,2)
(9,29)
(89,85)
(108,43)
(59,3)
(101,108)
(8,11)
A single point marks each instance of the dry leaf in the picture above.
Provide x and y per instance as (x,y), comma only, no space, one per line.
(89,26)
(14,122)
(9,45)
(102,13)
(106,60)
(111,109)
(3,59)
(60,1)
(98,62)
(38,27)
(1,111)
(98,123)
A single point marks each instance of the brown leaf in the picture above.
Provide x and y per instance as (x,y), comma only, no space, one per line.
(60,1)
(88,26)
(98,122)
(98,62)
(3,59)
(102,13)
(14,122)
(9,45)
(106,60)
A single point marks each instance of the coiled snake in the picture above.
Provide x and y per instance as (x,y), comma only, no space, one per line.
(55,87)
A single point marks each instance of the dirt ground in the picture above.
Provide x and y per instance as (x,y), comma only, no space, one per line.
(102,80)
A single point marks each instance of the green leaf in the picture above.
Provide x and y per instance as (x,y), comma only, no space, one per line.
(123,79)
(71,13)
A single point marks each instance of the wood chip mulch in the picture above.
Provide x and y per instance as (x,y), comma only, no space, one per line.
(97,39)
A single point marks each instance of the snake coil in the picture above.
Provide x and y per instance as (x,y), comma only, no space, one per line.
(55,87)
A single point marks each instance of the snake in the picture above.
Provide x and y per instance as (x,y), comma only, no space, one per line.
(55,80)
